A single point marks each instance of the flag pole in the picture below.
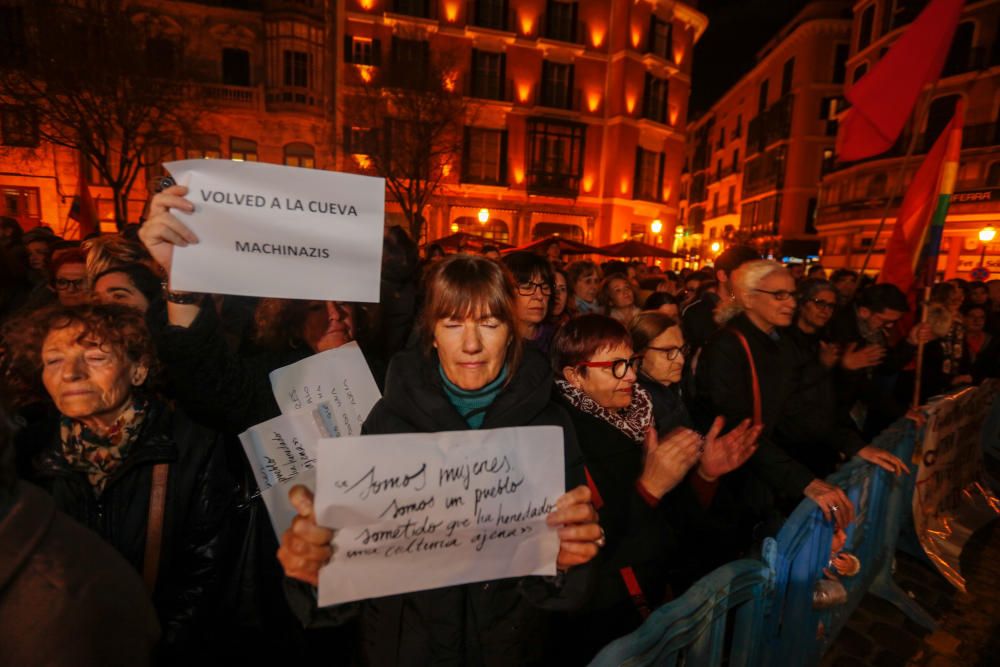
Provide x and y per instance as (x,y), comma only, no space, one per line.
(897,186)
(925,302)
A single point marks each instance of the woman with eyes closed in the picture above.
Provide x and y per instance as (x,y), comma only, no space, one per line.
(111,448)
(471,372)
(631,470)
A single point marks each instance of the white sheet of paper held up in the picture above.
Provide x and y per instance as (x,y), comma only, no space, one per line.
(336,384)
(282,453)
(276,231)
(417,511)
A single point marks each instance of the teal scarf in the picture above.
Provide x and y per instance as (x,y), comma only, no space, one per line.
(472,405)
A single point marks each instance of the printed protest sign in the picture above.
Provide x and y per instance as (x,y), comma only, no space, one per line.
(417,511)
(336,385)
(277,231)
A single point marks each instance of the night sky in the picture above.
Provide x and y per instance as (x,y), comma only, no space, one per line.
(737,29)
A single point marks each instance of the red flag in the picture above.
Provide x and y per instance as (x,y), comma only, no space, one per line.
(884,98)
(917,231)
(82,209)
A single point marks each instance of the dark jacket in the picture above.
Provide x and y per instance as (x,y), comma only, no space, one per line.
(491,623)
(199,492)
(66,598)
(724,387)
(871,387)
(811,429)
(669,409)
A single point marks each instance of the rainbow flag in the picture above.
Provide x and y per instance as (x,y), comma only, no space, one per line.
(912,251)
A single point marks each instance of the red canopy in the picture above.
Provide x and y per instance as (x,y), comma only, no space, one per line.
(635,249)
(459,239)
(566,246)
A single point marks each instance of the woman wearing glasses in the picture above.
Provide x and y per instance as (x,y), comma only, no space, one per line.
(630,470)
(747,369)
(533,275)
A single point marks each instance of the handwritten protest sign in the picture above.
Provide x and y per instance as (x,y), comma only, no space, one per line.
(277,231)
(282,453)
(325,395)
(453,508)
(336,385)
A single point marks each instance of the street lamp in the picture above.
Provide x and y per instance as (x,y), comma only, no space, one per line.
(454,228)
(656,227)
(484,216)
(986,235)
(716,247)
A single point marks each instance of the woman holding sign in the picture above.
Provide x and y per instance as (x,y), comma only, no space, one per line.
(633,474)
(471,373)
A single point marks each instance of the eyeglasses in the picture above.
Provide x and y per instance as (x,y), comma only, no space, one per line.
(528,288)
(619,367)
(672,352)
(779,295)
(64,284)
(823,305)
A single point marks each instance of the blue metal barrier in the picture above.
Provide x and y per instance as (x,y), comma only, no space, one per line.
(692,629)
(799,634)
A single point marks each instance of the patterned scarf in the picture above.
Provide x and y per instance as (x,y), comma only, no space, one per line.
(99,456)
(633,421)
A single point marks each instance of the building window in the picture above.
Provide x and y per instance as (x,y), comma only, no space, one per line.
(938,116)
(419,8)
(161,57)
(362,51)
(22,204)
(242,150)
(555,157)
(960,58)
(660,38)
(359,140)
(762,97)
(488,75)
(296,69)
(410,61)
(206,146)
(859,72)
(731,201)
(811,216)
(722,138)
(738,130)
(840,52)
(12,36)
(300,155)
(490,14)
(560,20)
(866,25)
(993,175)
(648,175)
(736,160)
(827,164)
(235,67)
(18,126)
(557,85)
(484,158)
(654,104)
(787,75)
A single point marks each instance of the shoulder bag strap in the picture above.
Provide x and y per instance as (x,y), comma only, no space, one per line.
(753,377)
(154,525)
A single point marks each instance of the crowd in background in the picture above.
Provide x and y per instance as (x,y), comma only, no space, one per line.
(698,408)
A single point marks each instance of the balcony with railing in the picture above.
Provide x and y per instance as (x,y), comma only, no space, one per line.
(236,96)
(963,62)
(555,184)
(771,126)
(488,88)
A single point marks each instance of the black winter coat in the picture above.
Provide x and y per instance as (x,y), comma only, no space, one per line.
(199,493)
(491,623)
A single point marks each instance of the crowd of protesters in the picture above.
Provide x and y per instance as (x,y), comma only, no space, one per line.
(697,407)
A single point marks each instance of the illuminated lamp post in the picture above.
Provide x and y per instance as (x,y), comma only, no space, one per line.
(986,235)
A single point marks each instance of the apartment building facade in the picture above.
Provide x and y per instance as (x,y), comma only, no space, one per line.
(756,156)
(580,105)
(856,197)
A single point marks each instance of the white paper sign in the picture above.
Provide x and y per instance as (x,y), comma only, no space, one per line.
(336,385)
(282,453)
(424,510)
(276,231)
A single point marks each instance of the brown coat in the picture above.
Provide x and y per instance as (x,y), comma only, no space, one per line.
(67,597)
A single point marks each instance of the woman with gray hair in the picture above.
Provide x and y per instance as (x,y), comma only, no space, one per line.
(747,369)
